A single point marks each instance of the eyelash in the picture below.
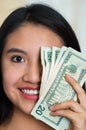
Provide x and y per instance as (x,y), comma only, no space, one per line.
(17,59)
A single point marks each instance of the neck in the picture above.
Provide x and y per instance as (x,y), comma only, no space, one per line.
(22,121)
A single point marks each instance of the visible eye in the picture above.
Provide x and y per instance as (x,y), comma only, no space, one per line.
(18,59)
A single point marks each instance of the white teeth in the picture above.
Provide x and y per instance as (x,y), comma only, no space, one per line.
(30,92)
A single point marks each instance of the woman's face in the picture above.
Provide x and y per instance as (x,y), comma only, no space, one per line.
(21,64)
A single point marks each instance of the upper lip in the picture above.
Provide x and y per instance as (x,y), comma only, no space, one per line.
(30,87)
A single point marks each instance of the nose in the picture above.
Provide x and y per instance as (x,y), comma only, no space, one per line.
(33,73)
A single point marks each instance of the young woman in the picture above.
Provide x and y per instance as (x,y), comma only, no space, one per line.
(21,36)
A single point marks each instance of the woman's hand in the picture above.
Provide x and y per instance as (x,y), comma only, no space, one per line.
(74,111)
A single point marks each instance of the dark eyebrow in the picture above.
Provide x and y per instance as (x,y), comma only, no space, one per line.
(16,50)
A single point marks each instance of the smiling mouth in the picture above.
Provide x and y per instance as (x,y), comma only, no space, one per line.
(30,92)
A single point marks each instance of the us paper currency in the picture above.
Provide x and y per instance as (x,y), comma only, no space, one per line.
(46,54)
(54,58)
(49,56)
(57,90)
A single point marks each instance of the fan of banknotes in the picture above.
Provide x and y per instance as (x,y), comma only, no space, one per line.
(55,89)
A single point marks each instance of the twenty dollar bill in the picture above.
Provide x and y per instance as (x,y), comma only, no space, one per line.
(58,90)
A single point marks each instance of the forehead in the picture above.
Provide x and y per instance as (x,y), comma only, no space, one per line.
(34,34)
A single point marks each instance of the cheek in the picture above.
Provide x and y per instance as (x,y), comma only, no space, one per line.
(10,78)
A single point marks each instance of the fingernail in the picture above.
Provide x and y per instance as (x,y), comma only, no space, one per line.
(52,107)
(67,77)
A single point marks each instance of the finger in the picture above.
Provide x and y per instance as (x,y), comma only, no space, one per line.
(71,104)
(80,92)
(78,120)
(74,117)
(74,84)
(65,113)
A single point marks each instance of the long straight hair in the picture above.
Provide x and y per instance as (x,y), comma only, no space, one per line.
(37,14)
